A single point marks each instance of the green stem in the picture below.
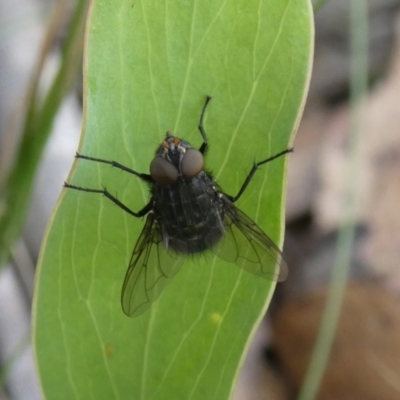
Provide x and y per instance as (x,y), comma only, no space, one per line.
(317,4)
(330,318)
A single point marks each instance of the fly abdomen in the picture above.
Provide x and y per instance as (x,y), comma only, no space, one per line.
(189,215)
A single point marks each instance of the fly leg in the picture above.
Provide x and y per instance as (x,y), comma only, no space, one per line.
(144,177)
(203,148)
(109,196)
(250,176)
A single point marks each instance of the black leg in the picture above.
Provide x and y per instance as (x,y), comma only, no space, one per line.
(204,146)
(253,171)
(106,193)
(143,177)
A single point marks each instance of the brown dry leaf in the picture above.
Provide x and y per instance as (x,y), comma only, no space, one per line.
(365,359)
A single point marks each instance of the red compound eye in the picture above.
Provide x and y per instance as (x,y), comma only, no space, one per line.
(192,163)
(162,171)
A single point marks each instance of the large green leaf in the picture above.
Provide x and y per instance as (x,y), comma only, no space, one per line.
(149,65)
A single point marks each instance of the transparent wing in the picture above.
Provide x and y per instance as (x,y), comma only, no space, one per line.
(150,269)
(246,245)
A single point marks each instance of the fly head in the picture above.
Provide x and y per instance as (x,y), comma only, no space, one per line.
(175,160)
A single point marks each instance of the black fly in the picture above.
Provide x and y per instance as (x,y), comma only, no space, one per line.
(188,213)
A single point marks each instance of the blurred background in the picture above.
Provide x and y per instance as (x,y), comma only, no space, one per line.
(364,361)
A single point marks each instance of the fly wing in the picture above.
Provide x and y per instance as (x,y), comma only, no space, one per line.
(150,269)
(246,245)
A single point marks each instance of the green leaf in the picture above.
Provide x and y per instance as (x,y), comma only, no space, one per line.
(149,66)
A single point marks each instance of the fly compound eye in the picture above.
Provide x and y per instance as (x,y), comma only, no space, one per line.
(192,163)
(162,171)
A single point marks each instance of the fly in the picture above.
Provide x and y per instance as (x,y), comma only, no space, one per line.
(188,213)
